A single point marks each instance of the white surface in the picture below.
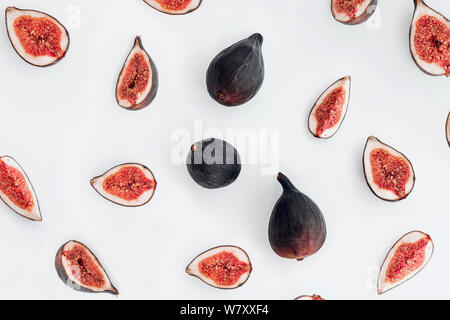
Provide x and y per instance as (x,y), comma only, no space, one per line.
(64,127)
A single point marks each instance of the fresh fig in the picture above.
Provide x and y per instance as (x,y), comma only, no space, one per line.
(430,40)
(330,109)
(297,227)
(313,297)
(389,173)
(129,185)
(37,37)
(138,81)
(447,129)
(224,267)
(407,257)
(213,163)
(175,7)
(79,269)
(236,74)
(16,190)
(353,11)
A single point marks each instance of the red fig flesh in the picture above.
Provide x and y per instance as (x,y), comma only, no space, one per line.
(389,173)
(16,190)
(175,7)
(129,185)
(330,109)
(79,269)
(353,11)
(406,258)
(37,37)
(430,40)
(224,267)
(138,81)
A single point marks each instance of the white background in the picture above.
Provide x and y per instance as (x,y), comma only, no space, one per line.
(64,127)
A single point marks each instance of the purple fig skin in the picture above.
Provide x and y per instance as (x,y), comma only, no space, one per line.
(362,18)
(297,227)
(447,129)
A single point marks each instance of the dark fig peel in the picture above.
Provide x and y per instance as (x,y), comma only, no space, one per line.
(353,11)
(213,163)
(79,269)
(16,190)
(314,297)
(297,227)
(223,267)
(174,7)
(236,74)
(407,257)
(447,129)
(430,40)
(37,37)
(137,84)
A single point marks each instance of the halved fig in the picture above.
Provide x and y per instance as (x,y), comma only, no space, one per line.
(16,190)
(224,267)
(330,109)
(138,81)
(129,185)
(37,37)
(430,40)
(447,129)
(407,257)
(79,269)
(353,11)
(389,173)
(313,297)
(175,7)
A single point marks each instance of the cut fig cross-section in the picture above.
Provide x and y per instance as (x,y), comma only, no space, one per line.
(175,7)
(314,297)
(138,81)
(353,11)
(37,37)
(224,267)
(129,185)
(408,256)
(389,173)
(430,40)
(16,190)
(330,109)
(79,269)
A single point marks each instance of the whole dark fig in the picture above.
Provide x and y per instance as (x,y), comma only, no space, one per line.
(237,73)
(297,227)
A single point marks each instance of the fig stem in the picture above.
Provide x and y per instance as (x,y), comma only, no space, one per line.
(285,182)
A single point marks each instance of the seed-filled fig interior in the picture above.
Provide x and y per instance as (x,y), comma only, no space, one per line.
(174,6)
(353,11)
(297,227)
(129,185)
(224,267)
(16,190)
(447,129)
(138,81)
(79,269)
(37,37)
(407,257)
(430,40)
(314,297)
(213,163)
(389,173)
(236,74)
(330,109)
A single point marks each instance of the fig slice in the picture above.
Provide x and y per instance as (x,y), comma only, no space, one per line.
(137,84)
(223,267)
(16,190)
(430,40)
(389,173)
(330,109)
(174,7)
(37,37)
(80,269)
(407,257)
(129,185)
(353,11)
(447,129)
(313,297)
